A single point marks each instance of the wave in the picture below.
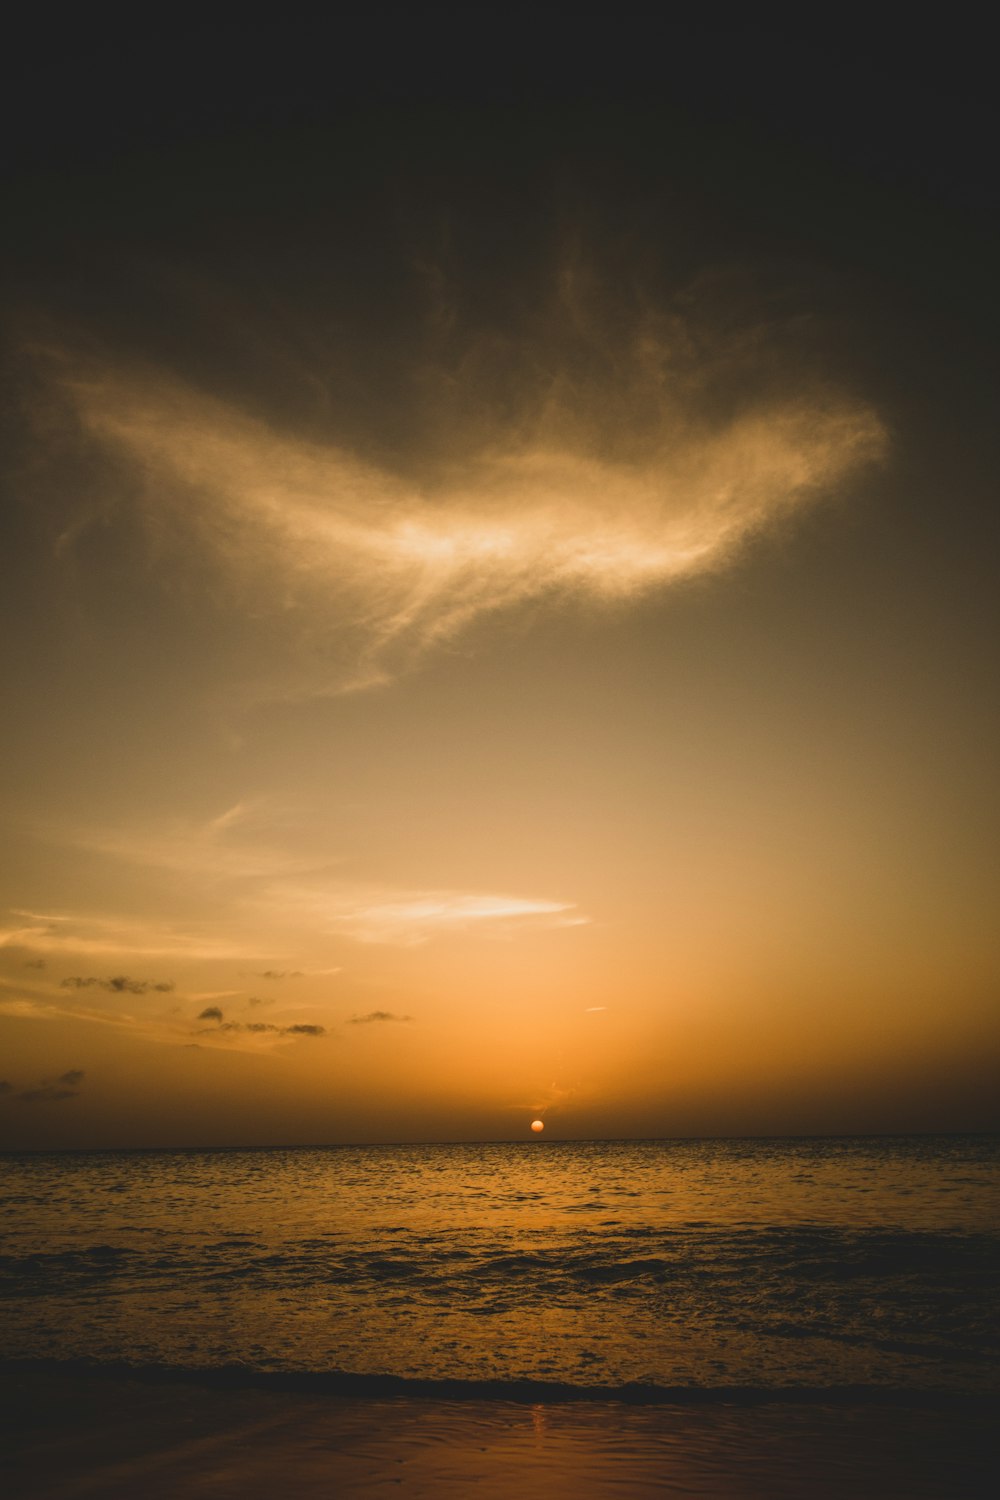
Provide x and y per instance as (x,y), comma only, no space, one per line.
(344,1384)
(815,1253)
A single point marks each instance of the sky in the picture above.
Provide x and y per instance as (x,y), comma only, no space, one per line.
(499,611)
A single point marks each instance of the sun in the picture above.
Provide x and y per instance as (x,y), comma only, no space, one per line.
(538,1126)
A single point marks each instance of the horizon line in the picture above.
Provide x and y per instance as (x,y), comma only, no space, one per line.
(533,1141)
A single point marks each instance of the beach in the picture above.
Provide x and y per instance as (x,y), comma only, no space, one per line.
(80,1435)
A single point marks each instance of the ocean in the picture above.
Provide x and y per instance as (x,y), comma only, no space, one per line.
(697,1264)
(860,1273)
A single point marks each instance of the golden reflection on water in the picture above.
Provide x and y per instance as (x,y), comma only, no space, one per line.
(539,1423)
(672,1264)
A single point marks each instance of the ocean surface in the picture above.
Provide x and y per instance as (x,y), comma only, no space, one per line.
(795,1268)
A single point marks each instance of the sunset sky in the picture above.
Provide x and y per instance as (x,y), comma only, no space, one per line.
(500,589)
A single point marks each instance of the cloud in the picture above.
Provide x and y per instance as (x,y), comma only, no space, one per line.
(260,1028)
(35,963)
(377,1015)
(120,984)
(602,450)
(554,1097)
(220,848)
(92,936)
(268,889)
(6,1087)
(233,816)
(47,1007)
(406,918)
(172,1029)
(56,1091)
(281,974)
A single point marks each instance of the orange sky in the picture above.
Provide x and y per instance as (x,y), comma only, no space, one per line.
(462,684)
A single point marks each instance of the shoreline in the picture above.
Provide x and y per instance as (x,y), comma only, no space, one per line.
(349,1386)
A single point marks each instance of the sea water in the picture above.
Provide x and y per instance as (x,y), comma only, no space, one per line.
(782,1266)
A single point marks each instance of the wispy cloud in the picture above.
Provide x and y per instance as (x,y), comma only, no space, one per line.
(261,890)
(551,1098)
(406,918)
(375,1016)
(597,454)
(97,936)
(223,848)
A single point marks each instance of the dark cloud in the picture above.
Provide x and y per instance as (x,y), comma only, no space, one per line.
(53,1091)
(256,1027)
(5,1087)
(211,1013)
(35,963)
(377,1015)
(280,974)
(119,984)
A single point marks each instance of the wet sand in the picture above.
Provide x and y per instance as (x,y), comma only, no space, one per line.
(72,1436)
